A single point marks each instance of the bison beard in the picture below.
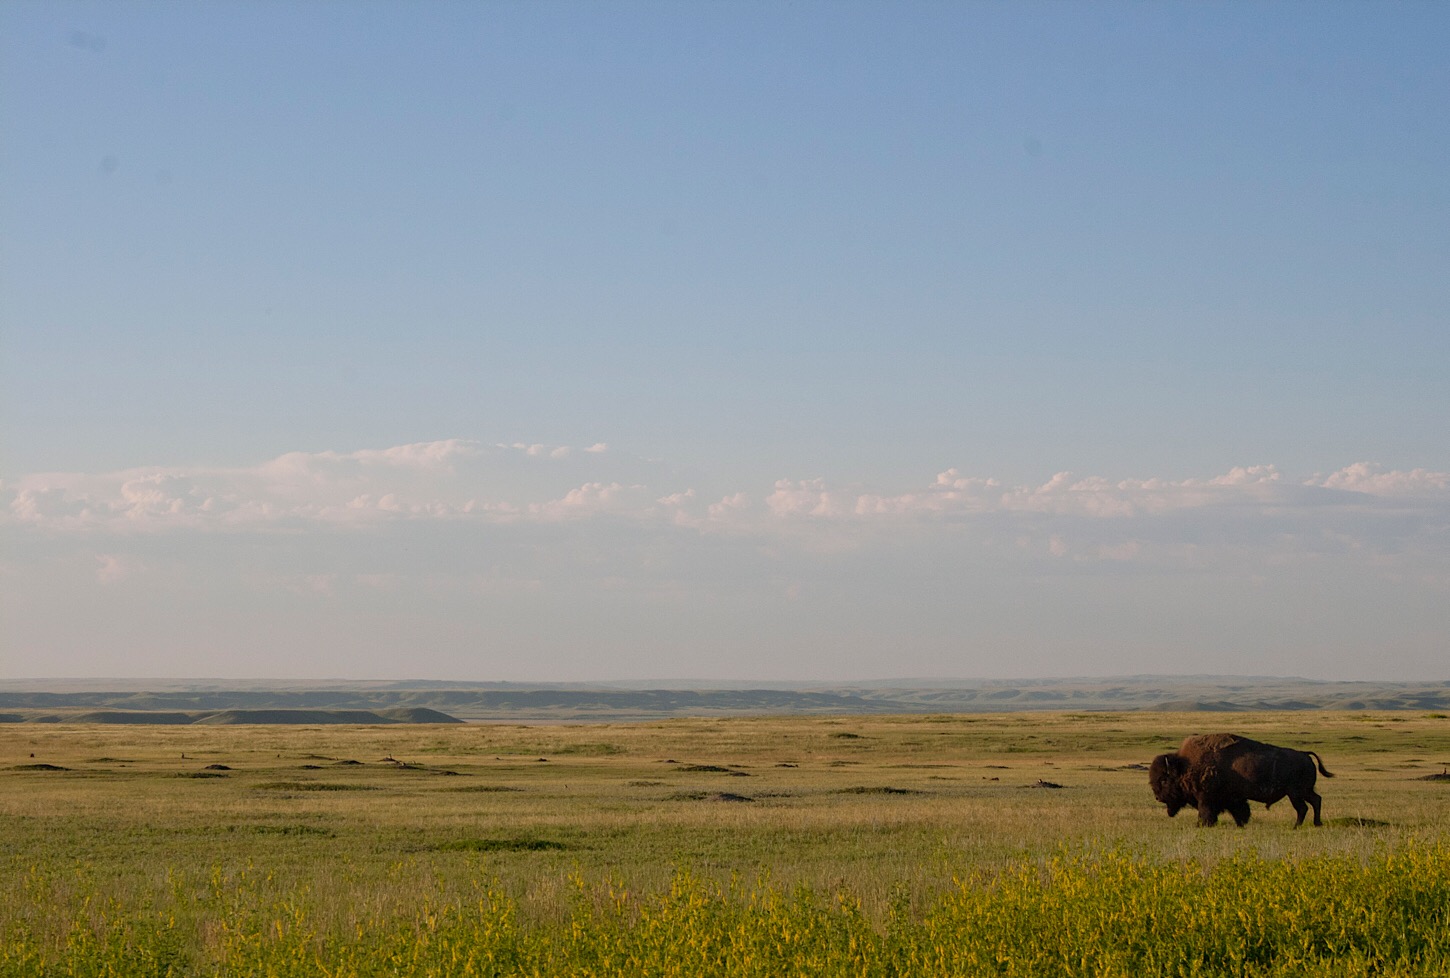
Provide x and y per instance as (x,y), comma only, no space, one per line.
(1224,772)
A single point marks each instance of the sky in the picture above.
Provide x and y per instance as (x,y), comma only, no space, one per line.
(742,341)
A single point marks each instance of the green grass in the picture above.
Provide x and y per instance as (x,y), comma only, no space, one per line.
(917,845)
(1101,915)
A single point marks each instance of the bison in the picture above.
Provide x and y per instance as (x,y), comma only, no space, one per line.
(1224,772)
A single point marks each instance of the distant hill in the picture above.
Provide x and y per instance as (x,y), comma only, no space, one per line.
(225,717)
(121,716)
(175,701)
(416,714)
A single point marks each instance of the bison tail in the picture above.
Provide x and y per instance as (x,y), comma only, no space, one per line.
(1322,769)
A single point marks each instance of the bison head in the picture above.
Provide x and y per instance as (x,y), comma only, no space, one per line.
(1165,775)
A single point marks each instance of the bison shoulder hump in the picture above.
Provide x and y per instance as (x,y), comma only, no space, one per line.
(1206,745)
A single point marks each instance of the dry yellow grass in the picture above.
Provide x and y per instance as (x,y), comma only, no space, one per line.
(889,809)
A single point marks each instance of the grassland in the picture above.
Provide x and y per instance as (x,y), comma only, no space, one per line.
(968,844)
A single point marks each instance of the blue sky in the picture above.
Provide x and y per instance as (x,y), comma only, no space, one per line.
(571,341)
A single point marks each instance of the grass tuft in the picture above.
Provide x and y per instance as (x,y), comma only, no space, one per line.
(312,786)
(527,844)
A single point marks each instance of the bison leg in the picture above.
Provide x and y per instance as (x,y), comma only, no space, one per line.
(1314,800)
(1302,809)
(1239,809)
(1207,815)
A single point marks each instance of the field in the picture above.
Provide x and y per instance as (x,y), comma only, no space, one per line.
(1009,844)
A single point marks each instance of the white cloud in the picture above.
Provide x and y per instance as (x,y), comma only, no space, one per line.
(594,498)
(447,479)
(428,455)
(532,450)
(1361,508)
(451,534)
(48,505)
(112,568)
(1366,477)
(1125,551)
(951,493)
(737,502)
(538,450)
(1253,475)
(808,498)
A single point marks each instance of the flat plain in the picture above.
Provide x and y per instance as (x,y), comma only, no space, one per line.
(363,829)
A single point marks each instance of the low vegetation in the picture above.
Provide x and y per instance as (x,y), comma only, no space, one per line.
(913,846)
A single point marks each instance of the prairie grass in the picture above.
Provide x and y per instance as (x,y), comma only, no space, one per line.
(861,846)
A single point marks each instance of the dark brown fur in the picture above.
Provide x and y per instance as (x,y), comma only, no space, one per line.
(1216,773)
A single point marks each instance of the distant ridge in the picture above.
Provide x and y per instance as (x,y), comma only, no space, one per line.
(417,714)
(173,701)
(224,717)
(1201,706)
(124,716)
(229,717)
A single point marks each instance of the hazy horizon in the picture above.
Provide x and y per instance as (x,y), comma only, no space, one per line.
(153,683)
(747,341)
(277,680)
